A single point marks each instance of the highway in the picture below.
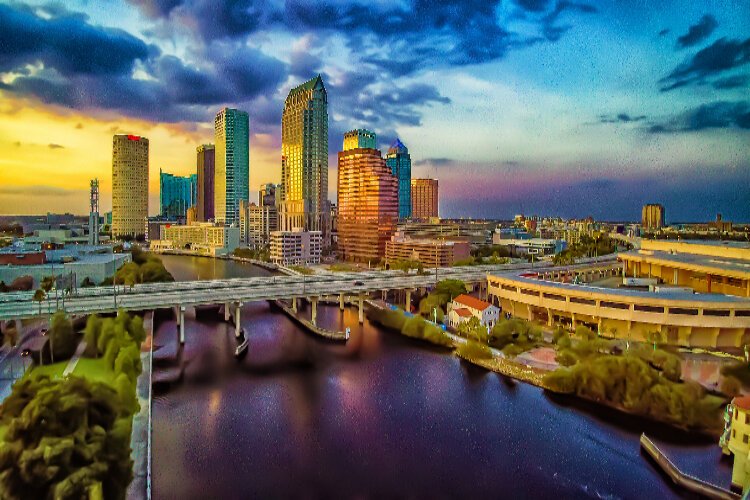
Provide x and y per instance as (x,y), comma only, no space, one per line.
(19,305)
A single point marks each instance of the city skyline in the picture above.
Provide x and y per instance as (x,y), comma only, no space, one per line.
(554,108)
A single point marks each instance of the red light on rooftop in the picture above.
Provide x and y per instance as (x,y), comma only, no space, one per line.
(134,137)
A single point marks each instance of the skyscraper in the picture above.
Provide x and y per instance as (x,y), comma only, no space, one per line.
(652,216)
(304,156)
(399,161)
(424,198)
(367,201)
(129,185)
(206,164)
(94,212)
(360,138)
(176,194)
(267,196)
(232,164)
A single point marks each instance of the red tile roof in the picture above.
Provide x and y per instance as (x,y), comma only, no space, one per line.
(472,302)
(742,402)
(463,312)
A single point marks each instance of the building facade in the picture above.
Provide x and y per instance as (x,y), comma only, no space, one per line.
(464,307)
(367,204)
(738,443)
(129,185)
(430,252)
(652,216)
(399,161)
(304,156)
(257,223)
(176,194)
(360,139)
(231,164)
(206,162)
(203,238)
(424,198)
(267,195)
(298,247)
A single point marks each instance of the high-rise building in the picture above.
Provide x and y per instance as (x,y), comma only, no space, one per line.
(424,198)
(296,247)
(367,204)
(360,138)
(129,185)
(176,194)
(232,164)
(652,216)
(267,195)
(206,164)
(257,223)
(94,212)
(304,156)
(399,161)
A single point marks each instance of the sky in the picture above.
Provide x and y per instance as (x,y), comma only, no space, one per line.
(549,107)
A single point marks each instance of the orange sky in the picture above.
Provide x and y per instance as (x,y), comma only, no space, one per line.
(51,153)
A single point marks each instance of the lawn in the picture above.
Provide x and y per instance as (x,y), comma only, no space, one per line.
(92,369)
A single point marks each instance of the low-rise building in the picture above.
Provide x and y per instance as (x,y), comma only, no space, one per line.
(430,252)
(537,246)
(203,238)
(739,443)
(464,307)
(296,247)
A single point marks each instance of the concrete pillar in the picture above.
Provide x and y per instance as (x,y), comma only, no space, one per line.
(181,322)
(237,327)
(549,317)
(226,311)
(407,306)
(294,304)
(708,283)
(675,276)
(361,308)
(341,301)
(314,306)
(573,321)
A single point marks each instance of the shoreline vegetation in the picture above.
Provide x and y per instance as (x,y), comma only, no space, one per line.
(642,380)
(68,437)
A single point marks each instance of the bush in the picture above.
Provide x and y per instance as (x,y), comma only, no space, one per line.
(731,386)
(474,350)
(563,381)
(566,357)
(63,338)
(437,335)
(585,333)
(388,318)
(740,370)
(414,327)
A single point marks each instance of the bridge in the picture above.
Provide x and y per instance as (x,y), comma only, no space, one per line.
(232,293)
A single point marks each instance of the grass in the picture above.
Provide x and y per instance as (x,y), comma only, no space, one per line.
(95,370)
(342,267)
(302,270)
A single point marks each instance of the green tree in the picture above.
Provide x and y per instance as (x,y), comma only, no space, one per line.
(91,334)
(63,339)
(39,296)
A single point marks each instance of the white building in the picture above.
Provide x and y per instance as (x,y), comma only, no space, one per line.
(296,247)
(203,238)
(464,307)
(540,246)
(257,223)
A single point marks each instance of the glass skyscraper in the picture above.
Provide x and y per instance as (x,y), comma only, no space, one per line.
(205,167)
(304,157)
(232,164)
(177,194)
(399,161)
(129,185)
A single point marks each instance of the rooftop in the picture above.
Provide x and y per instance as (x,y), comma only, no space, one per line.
(742,402)
(724,266)
(463,312)
(308,85)
(472,302)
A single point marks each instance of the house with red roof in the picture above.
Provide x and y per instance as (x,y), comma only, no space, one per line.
(464,307)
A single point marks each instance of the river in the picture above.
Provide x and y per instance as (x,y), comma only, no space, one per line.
(381,416)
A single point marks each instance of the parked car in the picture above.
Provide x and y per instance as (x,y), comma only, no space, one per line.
(359,283)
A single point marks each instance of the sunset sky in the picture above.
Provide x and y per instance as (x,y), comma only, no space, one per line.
(548,107)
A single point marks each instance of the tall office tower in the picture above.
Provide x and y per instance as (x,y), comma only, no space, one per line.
(652,216)
(367,204)
(129,185)
(232,164)
(399,161)
(94,212)
(304,156)
(206,163)
(267,195)
(176,194)
(360,138)
(424,198)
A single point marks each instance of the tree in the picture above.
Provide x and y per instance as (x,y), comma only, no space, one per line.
(39,296)
(63,339)
(731,386)
(91,334)
(655,337)
(449,289)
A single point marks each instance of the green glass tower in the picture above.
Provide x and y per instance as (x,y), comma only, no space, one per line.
(399,161)
(232,164)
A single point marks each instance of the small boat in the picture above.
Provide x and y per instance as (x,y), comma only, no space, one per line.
(241,348)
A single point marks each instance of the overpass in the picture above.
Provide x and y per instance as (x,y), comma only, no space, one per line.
(236,291)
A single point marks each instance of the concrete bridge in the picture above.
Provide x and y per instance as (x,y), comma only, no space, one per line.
(233,293)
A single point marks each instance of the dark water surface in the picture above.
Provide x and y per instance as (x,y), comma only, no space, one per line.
(382,416)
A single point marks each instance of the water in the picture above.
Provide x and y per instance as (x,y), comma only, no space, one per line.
(381,416)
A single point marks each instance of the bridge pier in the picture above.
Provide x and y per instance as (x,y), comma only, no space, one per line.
(314,307)
(237,327)
(294,304)
(361,308)
(341,301)
(227,311)
(407,303)
(181,323)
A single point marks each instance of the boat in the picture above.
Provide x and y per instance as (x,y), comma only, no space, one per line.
(240,350)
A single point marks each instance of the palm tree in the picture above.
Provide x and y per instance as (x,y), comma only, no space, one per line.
(39,296)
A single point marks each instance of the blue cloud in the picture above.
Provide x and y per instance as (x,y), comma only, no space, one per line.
(698,32)
(722,55)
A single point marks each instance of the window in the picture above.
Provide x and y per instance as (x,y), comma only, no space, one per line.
(747,418)
(744,438)
(734,433)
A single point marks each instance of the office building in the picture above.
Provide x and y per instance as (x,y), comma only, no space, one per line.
(296,247)
(203,238)
(231,164)
(176,194)
(652,216)
(430,252)
(360,139)
(257,223)
(304,156)
(129,185)
(424,198)
(94,212)
(267,195)
(206,172)
(399,161)
(367,203)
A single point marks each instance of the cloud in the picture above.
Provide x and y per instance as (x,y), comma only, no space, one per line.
(35,190)
(698,32)
(55,146)
(731,82)
(434,162)
(621,118)
(722,55)
(720,114)
(664,32)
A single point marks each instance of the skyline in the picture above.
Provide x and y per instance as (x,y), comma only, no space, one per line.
(557,108)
